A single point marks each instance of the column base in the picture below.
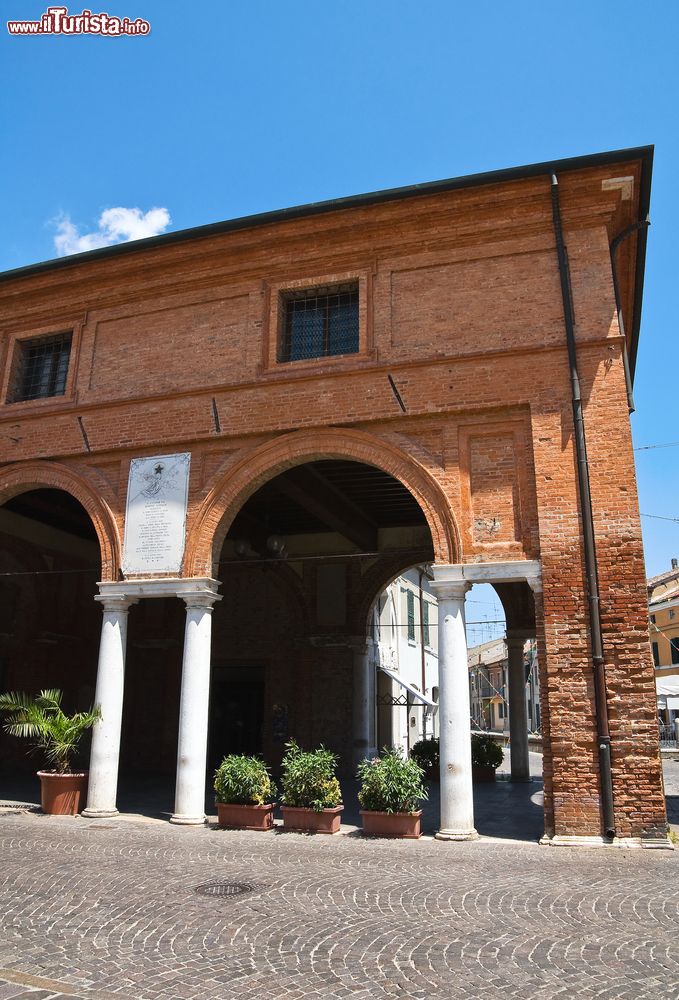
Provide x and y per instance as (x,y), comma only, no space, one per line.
(180,820)
(100,813)
(470,834)
(565,840)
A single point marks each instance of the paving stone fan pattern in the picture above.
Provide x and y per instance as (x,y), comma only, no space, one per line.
(110,910)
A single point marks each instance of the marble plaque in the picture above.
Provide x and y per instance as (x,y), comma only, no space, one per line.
(155,518)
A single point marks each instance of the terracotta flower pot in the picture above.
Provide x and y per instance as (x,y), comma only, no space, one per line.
(245,817)
(63,794)
(309,821)
(382,824)
(483,772)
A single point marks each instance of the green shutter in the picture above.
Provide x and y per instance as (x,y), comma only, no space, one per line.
(425,623)
(410,597)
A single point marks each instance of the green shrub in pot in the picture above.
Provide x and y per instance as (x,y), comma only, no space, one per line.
(241,780)
(391,783)
(426,753)
(486,752)
(308,778)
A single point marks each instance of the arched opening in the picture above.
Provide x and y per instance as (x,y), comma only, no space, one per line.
(50,562)
(290,634)
(504,690)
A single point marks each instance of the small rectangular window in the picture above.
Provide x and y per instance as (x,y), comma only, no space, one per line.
(674,644)
(425,623)
(410,598)
(40,367)
(319,322)
(656,653)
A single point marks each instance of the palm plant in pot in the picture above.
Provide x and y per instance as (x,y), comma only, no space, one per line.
(486,757)
(245,793)
(391,792)
(311,794)
(42,720)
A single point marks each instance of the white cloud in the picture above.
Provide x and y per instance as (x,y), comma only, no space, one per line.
(116,225)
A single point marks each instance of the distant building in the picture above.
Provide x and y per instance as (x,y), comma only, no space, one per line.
(405,656)
(489,685)
(663,611)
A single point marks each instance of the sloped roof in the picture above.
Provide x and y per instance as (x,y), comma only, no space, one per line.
(642,154)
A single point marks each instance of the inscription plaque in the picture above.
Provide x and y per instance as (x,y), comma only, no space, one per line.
(155,517)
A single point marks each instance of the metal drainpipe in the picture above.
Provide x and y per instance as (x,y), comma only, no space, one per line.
(600,702)
(615,243)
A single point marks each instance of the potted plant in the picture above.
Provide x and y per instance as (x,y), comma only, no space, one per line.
(427,754)
(41,719)
(245,793)
(390,795)
(486,757)
(311,795)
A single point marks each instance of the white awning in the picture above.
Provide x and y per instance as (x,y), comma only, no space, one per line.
(667,684)
(667,690)
(413,692)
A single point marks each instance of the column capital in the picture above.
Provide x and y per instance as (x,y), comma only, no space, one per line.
(449,582)
(119,603)
(360,643)
(447,590)
(200,592)
(205,600)
(519,636)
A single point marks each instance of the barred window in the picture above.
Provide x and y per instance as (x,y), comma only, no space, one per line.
(319,322)
(40,367)
(425,623)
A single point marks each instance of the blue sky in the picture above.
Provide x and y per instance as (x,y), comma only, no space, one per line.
(228,109)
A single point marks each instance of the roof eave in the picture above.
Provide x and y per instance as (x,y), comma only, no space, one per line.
(643,153)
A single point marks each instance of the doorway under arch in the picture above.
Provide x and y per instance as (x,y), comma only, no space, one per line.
(50,562)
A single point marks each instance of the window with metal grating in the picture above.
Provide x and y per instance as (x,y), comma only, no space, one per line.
(425,623)
(319,322)
(41,367)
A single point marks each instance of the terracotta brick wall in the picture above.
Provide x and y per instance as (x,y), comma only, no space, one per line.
(461,305)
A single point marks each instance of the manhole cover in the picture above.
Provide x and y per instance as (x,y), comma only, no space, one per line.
(224,888)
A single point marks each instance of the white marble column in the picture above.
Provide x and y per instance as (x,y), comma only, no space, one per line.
(457,800)
(363,710)
(518,713)
(189,808)
(105,754)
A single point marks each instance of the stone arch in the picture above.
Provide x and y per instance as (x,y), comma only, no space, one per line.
(50,475)
(255,467)
(376,580)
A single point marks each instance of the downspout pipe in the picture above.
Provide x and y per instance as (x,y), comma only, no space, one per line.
(615,243)
(600,702)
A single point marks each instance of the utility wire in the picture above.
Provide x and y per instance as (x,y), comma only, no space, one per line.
(648,447)
(661,517)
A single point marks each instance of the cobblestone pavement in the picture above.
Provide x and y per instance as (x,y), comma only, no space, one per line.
(108,909)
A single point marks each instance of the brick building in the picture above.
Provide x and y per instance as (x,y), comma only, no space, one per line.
(349,389)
